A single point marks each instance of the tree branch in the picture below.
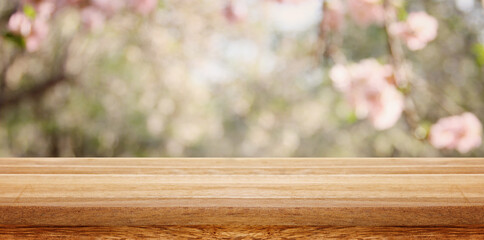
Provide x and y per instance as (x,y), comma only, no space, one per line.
(397,59)
(3,73)
(32,93)
(40,89)
(328,42)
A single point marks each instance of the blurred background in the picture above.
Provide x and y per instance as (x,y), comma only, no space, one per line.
(219,78)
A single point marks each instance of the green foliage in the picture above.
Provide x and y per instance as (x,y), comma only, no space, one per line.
(352,118)
(478,51)
(15,38)
(29,11)
(402,13)
(161,4)
(423,130)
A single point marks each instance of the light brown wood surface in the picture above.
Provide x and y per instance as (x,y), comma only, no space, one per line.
(325,192)
(242,232)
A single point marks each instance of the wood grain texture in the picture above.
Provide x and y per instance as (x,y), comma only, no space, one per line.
(242,232)
(220,191)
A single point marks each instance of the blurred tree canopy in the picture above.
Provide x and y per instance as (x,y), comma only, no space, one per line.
(229,78)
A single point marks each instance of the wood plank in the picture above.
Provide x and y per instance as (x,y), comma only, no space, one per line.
(404,187)
(350,215)
(306,191)
(242,232)
(258,166)
(408,169)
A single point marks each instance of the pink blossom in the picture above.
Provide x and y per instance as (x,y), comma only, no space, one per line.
(386,107)
(461,132)
(34,31)
(367,88)
(419,29)
(43,8)
(144,6)
(34,28)
(93,18)
(366,12)
(72,3)
(334,15)
(20,24)
(108,7)
(235,11)
(39,33)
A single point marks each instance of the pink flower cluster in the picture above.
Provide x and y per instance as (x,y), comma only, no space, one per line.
(33,26)
(366,12)
(94,13)
(369,89)
(461,132)
(143,6)
(334,14)
(235,11)
(33,29)
(363,13)
(419,29)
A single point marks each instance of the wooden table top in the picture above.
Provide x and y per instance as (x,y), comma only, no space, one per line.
(250,191)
